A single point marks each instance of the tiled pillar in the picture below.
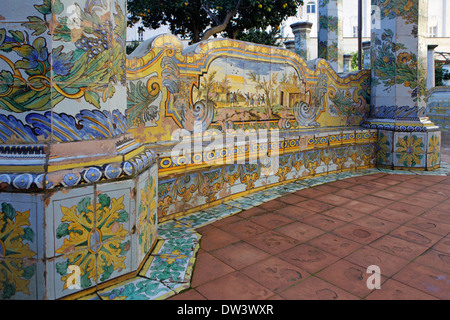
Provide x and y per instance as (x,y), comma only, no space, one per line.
(302,32)
(66,159)
(399,70)
(431,81)
(330,34)
(366,54)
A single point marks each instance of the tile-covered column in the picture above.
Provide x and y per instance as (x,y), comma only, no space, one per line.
(301,31)
(330,33)
(399,86)
(72,179)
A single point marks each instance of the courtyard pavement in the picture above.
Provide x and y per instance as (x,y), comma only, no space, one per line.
(317,243)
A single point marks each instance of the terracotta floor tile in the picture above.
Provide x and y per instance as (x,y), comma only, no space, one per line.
(271,220)
(334,244)
(213,238)
(431,196)
(415,236)
(398,247)
(295,212)
(344,214)
(376,224)
(341,184)
(395,290)
(367,189)
(326,188)
(400,177)
(332,199)
(358,233)
(272,242)
(314,205)
(388,181)
(348,276)
(426,279)
(346,193)
(438,216)
(310,193)
(401,189)
(272,205)
(314,288)
(228,220)
(255,211)
(419,202)
(389,195)
(308,258)
(360,206)
(243,229)
(408,208)
(437,260)
(429,225)
(240,254)
(292,198)
(275,274)
(411,185)
(444,207)
(234,286)
(208,268)
(392,215)
(443,245)
(376,200)
(367,256)
(188,295)
(300,231)
(323,222)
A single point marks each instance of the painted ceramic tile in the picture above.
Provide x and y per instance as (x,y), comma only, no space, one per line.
(136,289)
(21,242)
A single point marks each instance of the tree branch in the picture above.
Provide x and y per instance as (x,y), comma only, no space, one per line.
(220,26)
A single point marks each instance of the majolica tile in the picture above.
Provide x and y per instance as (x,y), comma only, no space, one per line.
(136,289)
(22,246)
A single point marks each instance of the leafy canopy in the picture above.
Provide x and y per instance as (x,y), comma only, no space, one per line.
(199,20)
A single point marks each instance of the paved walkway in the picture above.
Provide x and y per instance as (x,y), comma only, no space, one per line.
(317,243)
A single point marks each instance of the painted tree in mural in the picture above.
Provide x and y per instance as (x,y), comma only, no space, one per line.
(267,86)
(201,19)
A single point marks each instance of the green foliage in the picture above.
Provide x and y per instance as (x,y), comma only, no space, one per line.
(270,38)
(441,74)
(192,19)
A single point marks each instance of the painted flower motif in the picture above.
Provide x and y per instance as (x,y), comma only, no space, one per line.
(94,238)
(410,150)
(14,229)
(403,57)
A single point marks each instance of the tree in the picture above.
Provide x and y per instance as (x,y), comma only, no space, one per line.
(201,19)
(270,38)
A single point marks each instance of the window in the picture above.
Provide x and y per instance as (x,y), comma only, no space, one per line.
(355,31)
(432,32)
(140,34)
(311,7)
